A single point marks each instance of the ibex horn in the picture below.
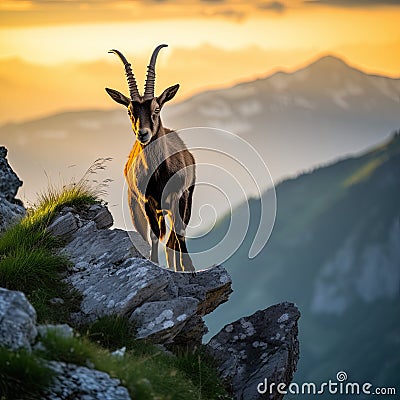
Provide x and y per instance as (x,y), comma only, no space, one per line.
(151,74)
(133,90)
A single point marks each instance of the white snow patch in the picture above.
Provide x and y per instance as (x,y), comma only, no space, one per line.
(250,108)
(217,109)
(350,90)
(339,99)
(238,126)
(304,103)
(241,91)
(57,134)
(387,88)
(90,124)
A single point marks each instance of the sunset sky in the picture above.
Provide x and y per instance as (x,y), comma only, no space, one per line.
(53,54)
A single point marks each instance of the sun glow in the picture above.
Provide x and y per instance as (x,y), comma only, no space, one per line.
(48,48)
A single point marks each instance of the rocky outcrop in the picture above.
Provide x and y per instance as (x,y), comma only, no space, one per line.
(256,351)
(18,330)
(114,278)
(111,272)
(10,207)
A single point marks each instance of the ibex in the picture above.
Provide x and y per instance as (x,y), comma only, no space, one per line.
(160,171)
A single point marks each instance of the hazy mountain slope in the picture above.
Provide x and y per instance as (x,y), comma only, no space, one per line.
(301,119)
(296,121)
(63,146)
(335,252)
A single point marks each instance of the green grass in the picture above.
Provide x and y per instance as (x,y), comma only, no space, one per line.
(28,258)
(364,172)
(113,332)
(145,370)
(201,370)
(22,375)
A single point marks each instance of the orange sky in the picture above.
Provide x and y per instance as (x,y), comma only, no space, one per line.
(53,54)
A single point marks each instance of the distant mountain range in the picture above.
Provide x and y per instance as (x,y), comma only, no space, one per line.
(296,122)
(335,251)
(302,119)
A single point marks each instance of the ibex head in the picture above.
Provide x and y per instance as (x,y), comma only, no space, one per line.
(143,111)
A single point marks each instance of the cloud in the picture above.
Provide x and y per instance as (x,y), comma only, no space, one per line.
(276,6)
(354,3)
(227,12)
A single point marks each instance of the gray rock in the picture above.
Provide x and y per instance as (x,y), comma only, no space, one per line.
(114,279)
(9,181)
(211,287)
(17,320)
(56,300)
(161,321)
(120,353)
(81,383)
(11,209)
(101,216)
(258,349)
(90,246)
(9,213)
(109,289)
(63,226)
(62,330)
(140,244)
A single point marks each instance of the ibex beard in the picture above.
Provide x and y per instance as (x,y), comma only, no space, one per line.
(160,171)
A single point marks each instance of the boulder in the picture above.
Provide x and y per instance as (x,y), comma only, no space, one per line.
(9,181)
(161,321)
(81,383)
(115,279)
(10,208)
(258,350)
(61,330)
(17,320)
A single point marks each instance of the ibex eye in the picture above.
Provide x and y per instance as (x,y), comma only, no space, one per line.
(157,110)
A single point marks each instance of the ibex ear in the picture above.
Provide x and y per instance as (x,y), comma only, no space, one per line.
(167,95)
(118,97)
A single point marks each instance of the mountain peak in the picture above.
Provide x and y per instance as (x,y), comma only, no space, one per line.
(329,62)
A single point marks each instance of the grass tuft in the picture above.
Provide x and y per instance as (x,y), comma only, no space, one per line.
(22,375)
(111,332)
(146,371)
(201,370)
(28,258)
